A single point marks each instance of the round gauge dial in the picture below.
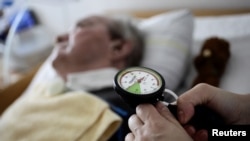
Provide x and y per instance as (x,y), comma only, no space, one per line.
(139,80)
(139,85)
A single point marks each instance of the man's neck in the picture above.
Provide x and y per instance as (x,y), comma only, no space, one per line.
(91,80)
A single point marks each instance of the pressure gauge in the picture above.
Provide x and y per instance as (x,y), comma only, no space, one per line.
(139,85)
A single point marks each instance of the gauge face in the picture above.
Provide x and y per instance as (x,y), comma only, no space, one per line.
(139,81)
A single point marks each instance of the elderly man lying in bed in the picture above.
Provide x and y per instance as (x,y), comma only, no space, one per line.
(87,59)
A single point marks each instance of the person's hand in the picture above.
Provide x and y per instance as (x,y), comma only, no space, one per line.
(155,124)
(232,107)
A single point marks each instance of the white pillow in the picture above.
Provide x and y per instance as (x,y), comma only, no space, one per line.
(236,30)
(168,44)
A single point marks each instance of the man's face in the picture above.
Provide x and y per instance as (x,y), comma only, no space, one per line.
(89,41)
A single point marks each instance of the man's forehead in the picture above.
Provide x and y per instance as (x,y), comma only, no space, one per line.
(96,18)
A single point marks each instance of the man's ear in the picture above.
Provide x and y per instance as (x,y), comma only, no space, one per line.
(121,49)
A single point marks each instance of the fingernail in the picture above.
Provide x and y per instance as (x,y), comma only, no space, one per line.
(181,116)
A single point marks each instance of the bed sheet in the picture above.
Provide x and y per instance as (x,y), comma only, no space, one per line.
(236,30)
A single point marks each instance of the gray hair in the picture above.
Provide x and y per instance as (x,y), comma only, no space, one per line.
(123,28)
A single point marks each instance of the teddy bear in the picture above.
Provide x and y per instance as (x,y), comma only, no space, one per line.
(210,64)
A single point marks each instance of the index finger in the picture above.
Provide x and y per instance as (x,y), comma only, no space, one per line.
(147,112)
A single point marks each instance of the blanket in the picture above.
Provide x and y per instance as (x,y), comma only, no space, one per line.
(72,116)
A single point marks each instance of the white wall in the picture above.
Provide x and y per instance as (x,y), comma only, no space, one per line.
(163,4)
(59,15)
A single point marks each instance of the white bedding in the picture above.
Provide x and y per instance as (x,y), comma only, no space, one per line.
(236,30)
(233,26)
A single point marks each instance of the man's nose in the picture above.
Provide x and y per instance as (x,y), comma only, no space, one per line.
(62,38)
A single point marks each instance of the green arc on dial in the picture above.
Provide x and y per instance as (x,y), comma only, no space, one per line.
(135,88)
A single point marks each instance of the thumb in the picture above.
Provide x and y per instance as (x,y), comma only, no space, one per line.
(164,112)
(200,94)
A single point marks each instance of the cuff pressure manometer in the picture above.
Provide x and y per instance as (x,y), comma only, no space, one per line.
(137,85)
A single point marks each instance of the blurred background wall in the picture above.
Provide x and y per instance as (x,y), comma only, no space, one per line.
(60,15)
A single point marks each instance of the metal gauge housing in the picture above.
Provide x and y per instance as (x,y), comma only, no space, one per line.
(138,85)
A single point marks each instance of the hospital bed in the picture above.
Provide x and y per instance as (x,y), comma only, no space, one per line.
(233,25)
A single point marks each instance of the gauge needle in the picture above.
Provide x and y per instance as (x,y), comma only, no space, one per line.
(139,80)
